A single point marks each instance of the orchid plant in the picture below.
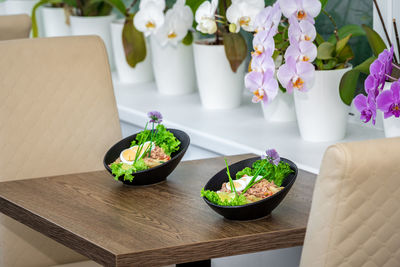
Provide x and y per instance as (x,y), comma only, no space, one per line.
(288,49)
(224,19)
(382,67)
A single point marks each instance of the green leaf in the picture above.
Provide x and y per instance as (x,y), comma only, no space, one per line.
(118,4)
(188,40)
(364,67)
(331,64)
(323,3)
(35,31)
(325,50)
(346,54)
(134,43)
(347,87)
(353,29)
(348,83)
(342,43)
(319,39)
(374,40)
(235,49)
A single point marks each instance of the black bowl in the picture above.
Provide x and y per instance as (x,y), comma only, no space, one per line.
(152,175)
(253,210)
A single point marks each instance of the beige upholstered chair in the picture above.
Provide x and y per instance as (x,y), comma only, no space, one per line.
(57,115)
(355,214)
(14,27)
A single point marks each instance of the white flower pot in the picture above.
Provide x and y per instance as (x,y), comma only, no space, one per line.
(281,109)
(321,114)
(13,7)
(95,26)
(219,86)
(173,68)
(54,22)
(142,72)
(391,126)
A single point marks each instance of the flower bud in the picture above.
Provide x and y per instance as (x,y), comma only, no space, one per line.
(232,27)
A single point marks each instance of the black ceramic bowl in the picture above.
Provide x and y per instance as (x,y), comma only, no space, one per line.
(253,210)
(152,175)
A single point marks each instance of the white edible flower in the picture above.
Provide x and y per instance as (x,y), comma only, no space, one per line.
(205,17)
(242,13)
(178,21)
(150,17)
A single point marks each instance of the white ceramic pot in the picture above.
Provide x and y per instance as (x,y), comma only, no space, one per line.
(391,126)
(13,7)
(55,22)
(321,114)
(281,109)
(95,26)
(142,72)
(219,86)
(173,68)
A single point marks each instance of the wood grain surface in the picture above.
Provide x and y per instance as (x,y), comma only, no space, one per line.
(118,225)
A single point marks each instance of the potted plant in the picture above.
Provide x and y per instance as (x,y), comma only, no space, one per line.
(55,16)
(382,86)
(86,18)
(219,59)
(311,68)
(170,41)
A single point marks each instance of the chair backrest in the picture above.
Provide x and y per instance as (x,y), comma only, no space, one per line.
(58,115)
(355,214)
(14,27)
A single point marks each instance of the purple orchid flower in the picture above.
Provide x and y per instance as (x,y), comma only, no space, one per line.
(263,42)
(299,75)
(366,105)
(263,86)
(301,9)
(371,86)
(301,31)
(262,63)
(155,117)
(301,51)
(268,18)
(386,57)
(389,101)
(272,156)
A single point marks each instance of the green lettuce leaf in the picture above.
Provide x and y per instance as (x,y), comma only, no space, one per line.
(126,170)
(164,139)
(214,198)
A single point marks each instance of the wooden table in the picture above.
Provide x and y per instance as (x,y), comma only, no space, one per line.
(167,223)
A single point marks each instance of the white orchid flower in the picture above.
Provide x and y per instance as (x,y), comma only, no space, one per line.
(242,13)
(302,9)
(205,17)
(178,21)
(159,3)
(149,18)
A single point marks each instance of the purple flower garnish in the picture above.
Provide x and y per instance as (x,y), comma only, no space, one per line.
(155,117)
(389,101)
(367,107)
(272,156)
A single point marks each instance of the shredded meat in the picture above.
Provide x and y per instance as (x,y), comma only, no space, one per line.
(260,190)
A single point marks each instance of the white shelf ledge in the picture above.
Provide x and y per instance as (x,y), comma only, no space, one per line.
(228,132)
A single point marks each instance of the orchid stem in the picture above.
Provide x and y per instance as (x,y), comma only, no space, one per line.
(335,31)
(397,36)
(390,77)
(384,27)
(394,65)
(130,7)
